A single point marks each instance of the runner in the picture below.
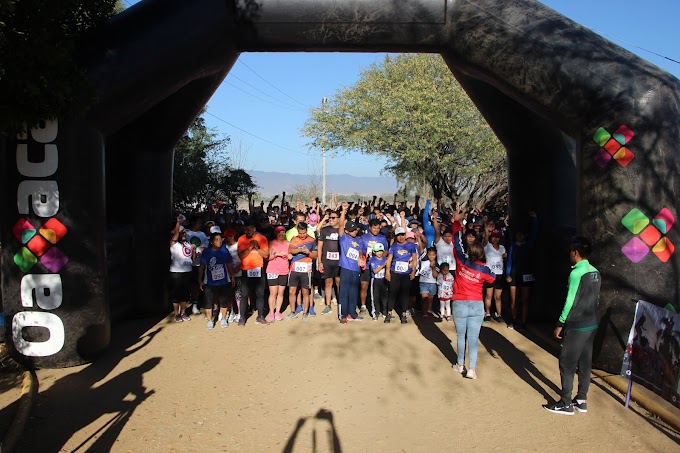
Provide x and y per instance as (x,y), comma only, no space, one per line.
(428,281)
(400,272)
(303,249)
(350,247)
(329,257)
(253,248)
(181,283)
(220,282)
(495,254)
(277,273)
(368,240)
(231,244)
(445,291)
(377,264)
(520,273)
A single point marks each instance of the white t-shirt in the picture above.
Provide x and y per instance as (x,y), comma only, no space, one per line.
(233,250)
(180,257)
(426,273)
(494,258)
(445,253)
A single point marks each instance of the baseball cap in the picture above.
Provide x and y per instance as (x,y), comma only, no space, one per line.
(410,235)
(378,247)
(351,226)
(229,232)
(496,233)
(279,228)
(215,229)
(399,230)
(416,221)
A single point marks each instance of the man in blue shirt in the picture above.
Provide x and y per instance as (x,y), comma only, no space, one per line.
(219,282)
(350,251)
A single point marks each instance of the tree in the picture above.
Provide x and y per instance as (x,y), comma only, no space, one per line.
(39,76)
(202,172)
(411,109)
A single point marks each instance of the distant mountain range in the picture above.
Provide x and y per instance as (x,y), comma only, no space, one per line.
(271,183)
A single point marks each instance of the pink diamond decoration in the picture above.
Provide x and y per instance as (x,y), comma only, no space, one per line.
(635,250)
(664,220)
(602,158)
(54,259)
(19,228)
(626,132)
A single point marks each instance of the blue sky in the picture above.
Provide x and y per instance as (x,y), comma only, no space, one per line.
(265,100)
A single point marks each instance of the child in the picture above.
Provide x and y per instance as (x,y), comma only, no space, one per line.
(428,281)
(376,264)
(445,284)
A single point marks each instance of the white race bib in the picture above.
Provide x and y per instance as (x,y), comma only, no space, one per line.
(272,276)
(496,266)
(380,274)
(401,267)
(353,254)
(257,272)
(333,256)
(446,287)
(217,273)
(302,267)
(528,277)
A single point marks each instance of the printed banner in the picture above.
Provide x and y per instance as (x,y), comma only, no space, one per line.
(652,355)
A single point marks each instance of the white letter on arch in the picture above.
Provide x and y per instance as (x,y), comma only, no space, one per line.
(40,283)
(49,321)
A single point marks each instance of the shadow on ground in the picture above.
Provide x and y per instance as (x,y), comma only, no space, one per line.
(321,429)
(80,399)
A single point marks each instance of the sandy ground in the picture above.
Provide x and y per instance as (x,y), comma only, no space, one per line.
(320,386)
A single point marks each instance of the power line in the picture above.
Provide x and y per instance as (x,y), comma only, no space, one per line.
(264,100)
(273,86)
(267,94)
(634,45)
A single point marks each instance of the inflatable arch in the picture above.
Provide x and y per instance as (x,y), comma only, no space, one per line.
(590,130)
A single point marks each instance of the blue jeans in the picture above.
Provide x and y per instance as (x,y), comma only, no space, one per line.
(349,292)
(468,316)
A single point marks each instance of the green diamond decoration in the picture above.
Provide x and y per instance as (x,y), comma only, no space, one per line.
(27,235)
(601,136)
(660,224)
(635,221)
(25,259)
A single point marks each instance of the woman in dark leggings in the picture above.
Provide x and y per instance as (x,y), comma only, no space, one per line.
(402,263)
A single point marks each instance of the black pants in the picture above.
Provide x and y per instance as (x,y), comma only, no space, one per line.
(576,354)
(400,286)
(253,287)
(379,295)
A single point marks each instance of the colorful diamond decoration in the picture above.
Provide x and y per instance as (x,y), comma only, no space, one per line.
(613,144)
(38,244)
(648,235)
(54,259)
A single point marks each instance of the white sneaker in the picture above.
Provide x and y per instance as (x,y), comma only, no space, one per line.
(232,316)
(195,310)
(237,318)
(219,317)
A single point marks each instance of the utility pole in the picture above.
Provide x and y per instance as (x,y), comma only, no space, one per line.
(323,161)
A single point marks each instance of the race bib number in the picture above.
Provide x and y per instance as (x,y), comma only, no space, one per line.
(401,266)
(528,277)
(302,267)
(353,254)
(257,272)
(496,267)
(380,274)
(272,276)
(426,273)
(217,273)
(333,256)
(447,287)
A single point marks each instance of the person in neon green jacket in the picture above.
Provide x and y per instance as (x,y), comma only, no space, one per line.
(576,328)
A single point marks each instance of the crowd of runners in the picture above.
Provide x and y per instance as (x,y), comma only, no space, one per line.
(389,261)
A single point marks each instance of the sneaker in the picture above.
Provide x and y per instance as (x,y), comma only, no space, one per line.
(311,311)
(224,323)
(355,318)
(511,326)
(232,316)
(363,309)
(458,368)
(237,318)
(318,296)
(178,318)
(185,317)
(195,310)
(388,319)
(305,317)
(334,301)
(374,317)
(499,319)
(487,318)
(343,320)
(262,321)
(560,408)
(219,316)
(407,314)
(211,325)
(278,317)
(298,309)
(291,316)
(404,319)
(327,309)
(580,407)
(471,374)
(270,317)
